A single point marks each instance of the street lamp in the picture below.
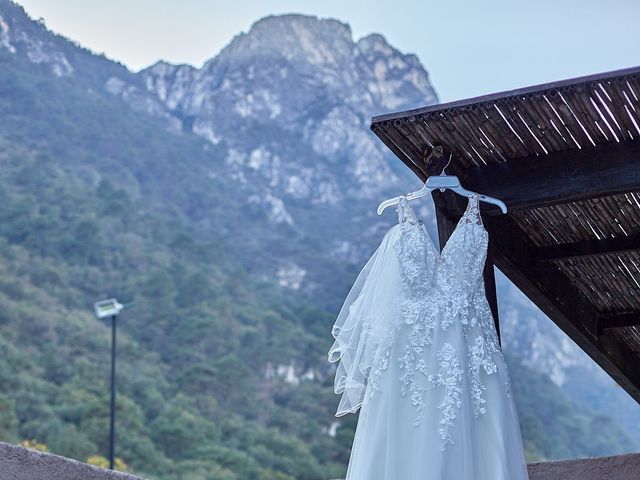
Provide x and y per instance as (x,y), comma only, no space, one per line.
(105,309)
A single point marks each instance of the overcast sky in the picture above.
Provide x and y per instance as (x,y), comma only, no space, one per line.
(469,47)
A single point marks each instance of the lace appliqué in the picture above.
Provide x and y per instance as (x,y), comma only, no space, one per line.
(459,273)
(417,307)
(479,358)
(380,367)
(450,377)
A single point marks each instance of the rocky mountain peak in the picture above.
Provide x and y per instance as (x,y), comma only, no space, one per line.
(299,78)
(297,38)
(287,65)
(20,35)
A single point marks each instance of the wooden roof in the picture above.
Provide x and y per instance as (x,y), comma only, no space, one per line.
(565,158)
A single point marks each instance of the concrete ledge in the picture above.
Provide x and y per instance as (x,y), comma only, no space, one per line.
(17,463)
(619,467)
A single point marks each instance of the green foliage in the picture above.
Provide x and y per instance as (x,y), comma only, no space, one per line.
(8,420)
(192,398)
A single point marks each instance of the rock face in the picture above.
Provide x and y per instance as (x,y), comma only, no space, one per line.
(295,86)
(285,109)
(32,40)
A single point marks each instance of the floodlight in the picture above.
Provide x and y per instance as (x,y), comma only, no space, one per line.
(107,308)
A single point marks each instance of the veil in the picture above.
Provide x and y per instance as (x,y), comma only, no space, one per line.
(365,322)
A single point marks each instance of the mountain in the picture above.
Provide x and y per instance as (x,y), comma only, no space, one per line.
(287,108)
(234,204)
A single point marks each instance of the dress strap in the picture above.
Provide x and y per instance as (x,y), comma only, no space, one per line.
(405,212)
(402,206)
(474,209)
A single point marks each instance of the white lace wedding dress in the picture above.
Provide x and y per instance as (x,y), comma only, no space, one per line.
(418,351)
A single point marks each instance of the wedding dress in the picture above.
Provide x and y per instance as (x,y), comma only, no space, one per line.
(417,349)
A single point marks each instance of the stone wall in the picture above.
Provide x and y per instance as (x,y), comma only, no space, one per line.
(17,463)
(619,467)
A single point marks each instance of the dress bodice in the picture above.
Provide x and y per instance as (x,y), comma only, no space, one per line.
(452,275)
(441,290)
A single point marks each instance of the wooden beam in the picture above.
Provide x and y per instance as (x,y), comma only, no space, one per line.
(530,182)
(559,177)
(588,248)
(621,320)
(401,154)
(544,88)
(489,276)
(558,298)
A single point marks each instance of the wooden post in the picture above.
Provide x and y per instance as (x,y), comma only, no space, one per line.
(446,226)
(490,291)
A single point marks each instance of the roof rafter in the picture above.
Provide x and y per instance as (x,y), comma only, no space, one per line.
(554,294)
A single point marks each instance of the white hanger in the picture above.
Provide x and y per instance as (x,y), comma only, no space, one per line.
(442,182)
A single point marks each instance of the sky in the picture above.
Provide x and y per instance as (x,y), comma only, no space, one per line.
(469,48)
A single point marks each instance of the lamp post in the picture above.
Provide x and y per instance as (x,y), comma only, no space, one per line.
(105,309)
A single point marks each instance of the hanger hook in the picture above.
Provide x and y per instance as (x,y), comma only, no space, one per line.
(445,167)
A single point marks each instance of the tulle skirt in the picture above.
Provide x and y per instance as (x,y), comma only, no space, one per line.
(388,444)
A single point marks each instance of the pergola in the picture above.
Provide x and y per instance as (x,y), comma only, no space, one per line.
(565,158)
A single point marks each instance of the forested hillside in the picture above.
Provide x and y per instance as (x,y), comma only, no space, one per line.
(222,361)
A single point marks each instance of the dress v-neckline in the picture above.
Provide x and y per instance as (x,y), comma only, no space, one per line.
(463,219)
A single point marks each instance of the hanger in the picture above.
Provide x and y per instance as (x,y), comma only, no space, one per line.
(442,182)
